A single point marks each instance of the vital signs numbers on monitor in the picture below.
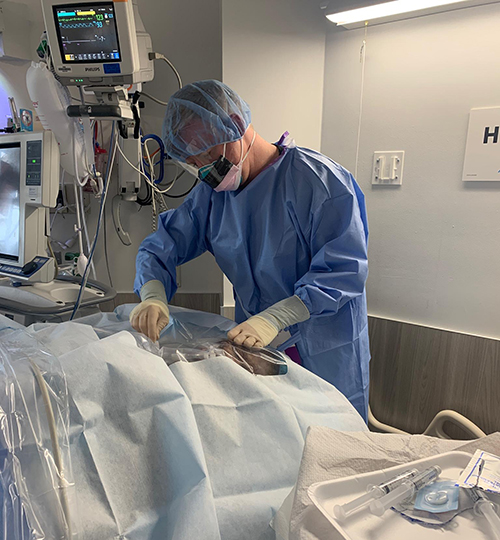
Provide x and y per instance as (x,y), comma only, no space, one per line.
(96,43)
(87,33)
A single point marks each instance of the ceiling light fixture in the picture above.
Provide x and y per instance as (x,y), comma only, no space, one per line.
(398,9)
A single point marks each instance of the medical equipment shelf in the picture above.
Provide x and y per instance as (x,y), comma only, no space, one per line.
(52,304)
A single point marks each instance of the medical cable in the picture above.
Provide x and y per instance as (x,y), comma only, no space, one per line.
(161,161)
(146,200)
(157,199)
(106,250)
(154,214)
(56,449)
(372,492)
(103,201)
(152,174)
(186,192)
(159,206)
(361,98)
(405,491)
(88,146)
(485,508)
(143,174)
(82,182)
(53,255)
(59,207)
(177,177)
(86,230)
(105,219)
(77,175)
(78,228)
(113,146)
(48,236)
(159,56)
(152,98)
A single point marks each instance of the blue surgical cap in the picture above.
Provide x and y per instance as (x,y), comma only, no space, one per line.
(202,115)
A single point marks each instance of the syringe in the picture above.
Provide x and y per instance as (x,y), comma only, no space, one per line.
(484,507)
(372,492)
(405,491)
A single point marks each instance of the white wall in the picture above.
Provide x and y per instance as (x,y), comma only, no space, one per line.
(273,56)
(178,30)
(434,244)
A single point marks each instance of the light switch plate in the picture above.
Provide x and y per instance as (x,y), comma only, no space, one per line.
(388,168)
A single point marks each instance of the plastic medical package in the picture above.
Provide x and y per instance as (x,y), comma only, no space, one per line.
(432,519)
(37,492)
(438,498)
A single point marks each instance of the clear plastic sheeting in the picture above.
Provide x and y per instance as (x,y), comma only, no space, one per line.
(185,326)
(256,361)
(191,337)
(37,493)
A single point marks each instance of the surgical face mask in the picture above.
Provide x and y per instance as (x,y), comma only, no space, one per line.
(222,175)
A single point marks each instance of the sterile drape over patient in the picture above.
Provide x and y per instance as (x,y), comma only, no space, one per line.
(199,449)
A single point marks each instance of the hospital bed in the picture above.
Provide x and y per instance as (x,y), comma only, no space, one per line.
(102,439)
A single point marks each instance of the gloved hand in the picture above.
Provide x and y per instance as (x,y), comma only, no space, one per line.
(254,332)
(150,318)
(261,329)
(152,315)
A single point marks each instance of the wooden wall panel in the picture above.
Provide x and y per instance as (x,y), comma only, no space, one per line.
(203,302)
(209,302)
(417,372)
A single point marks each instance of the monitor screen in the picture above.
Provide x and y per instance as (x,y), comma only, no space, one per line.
(10,183)
(87,33)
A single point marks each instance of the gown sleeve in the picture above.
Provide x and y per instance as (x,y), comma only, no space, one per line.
(339,260)
(181,237)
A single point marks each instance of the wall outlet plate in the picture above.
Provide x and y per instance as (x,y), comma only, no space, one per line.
(388,168)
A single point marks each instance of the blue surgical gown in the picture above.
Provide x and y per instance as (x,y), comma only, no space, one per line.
(299,228)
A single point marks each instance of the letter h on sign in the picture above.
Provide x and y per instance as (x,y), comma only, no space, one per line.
(491,134)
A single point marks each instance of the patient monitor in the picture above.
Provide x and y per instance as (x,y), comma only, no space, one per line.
(29,183)
(98,43)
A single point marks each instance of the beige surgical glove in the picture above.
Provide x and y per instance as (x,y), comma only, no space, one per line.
(261,329)
(151,316)
(254,332)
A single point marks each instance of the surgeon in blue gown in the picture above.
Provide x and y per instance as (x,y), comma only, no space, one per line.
(286,225)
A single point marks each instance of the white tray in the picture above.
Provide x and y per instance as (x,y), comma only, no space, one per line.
(365,526)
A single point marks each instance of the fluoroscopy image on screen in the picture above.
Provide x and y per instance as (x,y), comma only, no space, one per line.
(10,181)
(87,33)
